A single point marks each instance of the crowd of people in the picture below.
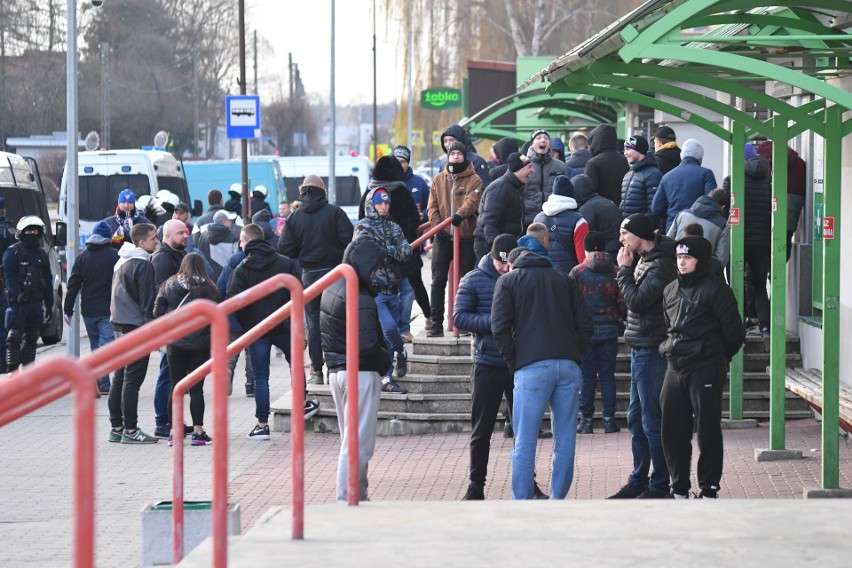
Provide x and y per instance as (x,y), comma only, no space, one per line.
(560,256)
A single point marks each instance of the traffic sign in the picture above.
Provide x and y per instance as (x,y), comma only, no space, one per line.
(243,116)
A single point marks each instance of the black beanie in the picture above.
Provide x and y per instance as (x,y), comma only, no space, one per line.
(388,168)
(457,146)
(563,186)
(696,247)
(640,225)
(517,161)
(595,241)
(502,246)
(638,143)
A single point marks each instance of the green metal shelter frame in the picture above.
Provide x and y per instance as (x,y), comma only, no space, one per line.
(727,45)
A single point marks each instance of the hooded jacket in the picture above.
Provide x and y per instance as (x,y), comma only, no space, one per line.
(317,232)
(708,214)
(258,203)
(176,292)
(539,185)
(702,319)
(607,166)
(538,314)
(479,165)
(419,190)
(455,193)
(595,279)
(679,189)
(233,204)
(403,212)
(217,244)
(639,186)
(262,262)
(166,262)
(503,148)
(797,182)
(757,233)
(472,312)
(566,230)
(365,256)
(501,209)
(642,285)
(667,157)
(93,267)
(388,235)
(133,289)
(600,213)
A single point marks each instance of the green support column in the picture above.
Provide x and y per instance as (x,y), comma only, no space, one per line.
(737,230)
(778,267)
(831,302)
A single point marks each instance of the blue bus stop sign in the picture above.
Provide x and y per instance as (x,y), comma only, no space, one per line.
(243,116)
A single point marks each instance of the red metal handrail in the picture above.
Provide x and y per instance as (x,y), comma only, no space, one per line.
(39,381)
(455,267)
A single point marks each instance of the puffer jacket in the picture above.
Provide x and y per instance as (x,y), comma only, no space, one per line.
(403,212)
(708,214)
(455,193)
(639,186)
(501,209)
(758,203)
(364,255)
(595,278)
(166,261)
(642,285)
(607,166)
(177,292)
(703,322)
(472,312)
(317,232)
(600,213)
(479,165)
(539,185)
(679,189)
(133,289)
(566,230)
(388,235)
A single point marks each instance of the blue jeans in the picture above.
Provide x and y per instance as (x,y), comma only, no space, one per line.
(259,352)
(388,308)
(406,302)
(644,418)
(100,333)
(599,364)
(554,381)
(163,393)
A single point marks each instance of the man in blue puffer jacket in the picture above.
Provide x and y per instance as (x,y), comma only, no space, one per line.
(491,375)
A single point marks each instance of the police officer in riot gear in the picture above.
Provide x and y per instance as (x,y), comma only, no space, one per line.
(7,236)
(28,292)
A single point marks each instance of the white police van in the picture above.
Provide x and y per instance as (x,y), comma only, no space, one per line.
(21,188)
(352,174)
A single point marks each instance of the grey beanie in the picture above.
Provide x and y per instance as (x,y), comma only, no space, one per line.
(693,148)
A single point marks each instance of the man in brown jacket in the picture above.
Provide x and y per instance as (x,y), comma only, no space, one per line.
(455,193)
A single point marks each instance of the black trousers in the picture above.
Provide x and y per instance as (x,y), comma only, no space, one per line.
(442,257)
(684,394)
(181,363)
(312,314)
(420,293)
(123,399)
(489,385)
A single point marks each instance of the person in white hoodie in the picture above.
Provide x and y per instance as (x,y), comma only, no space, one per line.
(566,227)
(131,306)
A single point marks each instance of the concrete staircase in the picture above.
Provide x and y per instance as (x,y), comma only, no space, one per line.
(438,383)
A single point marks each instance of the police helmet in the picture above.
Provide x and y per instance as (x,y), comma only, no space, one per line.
(29,221)
(236,188)
(165,196)
(261,189)
(143,202)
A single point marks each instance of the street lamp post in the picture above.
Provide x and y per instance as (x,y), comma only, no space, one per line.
(71,181)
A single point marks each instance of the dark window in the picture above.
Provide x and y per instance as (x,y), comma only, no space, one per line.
(99,194)
(176,185)
(21,202)
(347,189)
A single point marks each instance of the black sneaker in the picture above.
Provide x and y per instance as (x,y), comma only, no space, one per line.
(475,492)
(543,435)
(711,493)
(250,390)
(651,494)
(610,425)
(628,492)
(115,434)
(163,431)
(201,439)
(538,494)
(259,433)
(311,408)
(401,363)
(437,330)
(585,426)
(508,431)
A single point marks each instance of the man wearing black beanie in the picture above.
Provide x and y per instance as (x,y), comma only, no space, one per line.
(642,283)
(501,208)
(705,331)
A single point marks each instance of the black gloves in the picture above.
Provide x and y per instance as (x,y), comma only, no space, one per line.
(457,219)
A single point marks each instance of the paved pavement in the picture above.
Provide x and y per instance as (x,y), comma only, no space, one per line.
(36,480)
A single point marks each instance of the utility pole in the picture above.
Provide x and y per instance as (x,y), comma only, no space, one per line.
(410,136)
(244,141)
(375,106)
(258,142)
(195,111)
(105,118)
(332,127)
(71,181)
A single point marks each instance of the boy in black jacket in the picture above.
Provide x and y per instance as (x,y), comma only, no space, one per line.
(705,331)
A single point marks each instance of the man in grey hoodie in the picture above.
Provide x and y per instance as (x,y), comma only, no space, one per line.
(545,169)
(131,306)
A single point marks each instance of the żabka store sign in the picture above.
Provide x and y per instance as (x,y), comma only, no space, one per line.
(440,98)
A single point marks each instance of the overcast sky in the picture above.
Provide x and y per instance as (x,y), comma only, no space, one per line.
(304,29)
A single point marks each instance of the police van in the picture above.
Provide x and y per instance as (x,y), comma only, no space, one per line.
(351,176)
(20,187)
(103,174)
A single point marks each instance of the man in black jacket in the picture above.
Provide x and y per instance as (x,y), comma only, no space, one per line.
(705,331)
(666,151)
(501,208)
(608,165)
(601,214)
(642,284)
(261,263)
(542,327)
(640,183)
(365,256)
(316,234)
(91,278)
